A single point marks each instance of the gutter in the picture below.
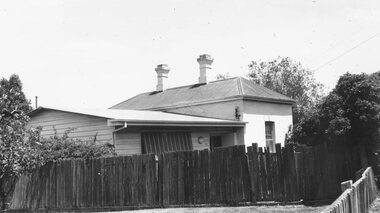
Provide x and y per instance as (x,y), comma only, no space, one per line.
(187,124)
(121,128)
(118,122)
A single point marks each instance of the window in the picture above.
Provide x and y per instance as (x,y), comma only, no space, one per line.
(158,142)
(270,136)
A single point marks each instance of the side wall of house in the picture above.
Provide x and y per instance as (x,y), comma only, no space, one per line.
(206,140)
(257,113)
(128,143)
(221,110)
(84,127)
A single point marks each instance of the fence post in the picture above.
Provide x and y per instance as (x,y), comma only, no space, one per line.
(359,173)
(346,185)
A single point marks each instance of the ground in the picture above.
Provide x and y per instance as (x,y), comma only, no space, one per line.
(258,209)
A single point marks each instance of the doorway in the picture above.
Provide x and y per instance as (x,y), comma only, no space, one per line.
(215,141)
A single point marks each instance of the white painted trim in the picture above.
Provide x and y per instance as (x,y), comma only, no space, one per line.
(145,123)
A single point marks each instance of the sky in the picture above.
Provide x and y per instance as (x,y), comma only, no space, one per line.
(97,53)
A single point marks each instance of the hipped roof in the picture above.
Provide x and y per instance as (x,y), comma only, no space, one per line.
(232,88)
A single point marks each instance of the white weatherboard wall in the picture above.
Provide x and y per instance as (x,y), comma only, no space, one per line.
(196,144)
(221,110)
(128,143)
(83,127)
(257,113)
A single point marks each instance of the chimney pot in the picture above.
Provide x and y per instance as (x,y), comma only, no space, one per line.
(205,62)
(162,74)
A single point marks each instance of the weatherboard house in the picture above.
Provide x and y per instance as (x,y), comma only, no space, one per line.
(204,115)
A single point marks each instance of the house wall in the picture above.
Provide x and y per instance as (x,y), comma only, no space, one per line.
(128,143)
(205,144)
(85,127)
(221,110)
(257,113)
(253,112)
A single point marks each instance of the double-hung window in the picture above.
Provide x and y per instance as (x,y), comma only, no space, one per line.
(270,139)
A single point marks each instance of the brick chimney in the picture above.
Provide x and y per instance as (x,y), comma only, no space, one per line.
(205,62)
(162,74)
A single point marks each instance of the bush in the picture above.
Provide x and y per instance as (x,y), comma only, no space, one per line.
(62,147)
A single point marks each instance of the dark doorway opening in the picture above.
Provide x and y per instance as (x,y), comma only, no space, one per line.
(215,141)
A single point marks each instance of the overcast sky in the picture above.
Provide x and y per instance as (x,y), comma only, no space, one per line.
(94,54)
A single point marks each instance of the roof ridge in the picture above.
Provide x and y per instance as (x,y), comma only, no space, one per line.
(197,93)
(172,88)
(201,83)
(240,86)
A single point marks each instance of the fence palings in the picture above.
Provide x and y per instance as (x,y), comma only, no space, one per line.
(307,173)
(104,182)
(356,198)
(225,175)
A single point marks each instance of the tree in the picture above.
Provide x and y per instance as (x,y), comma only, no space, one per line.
(223,76)
(22,149)
(350,113)
(18,147)
(289,78)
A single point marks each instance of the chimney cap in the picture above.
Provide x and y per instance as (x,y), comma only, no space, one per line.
(205,58)
(162,67)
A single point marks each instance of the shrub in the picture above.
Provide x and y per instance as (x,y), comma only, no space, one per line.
(61,147)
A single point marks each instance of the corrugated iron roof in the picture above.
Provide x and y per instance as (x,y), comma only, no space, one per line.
(140,116)
(237,87)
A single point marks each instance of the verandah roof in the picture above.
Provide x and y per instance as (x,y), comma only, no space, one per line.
(145,117)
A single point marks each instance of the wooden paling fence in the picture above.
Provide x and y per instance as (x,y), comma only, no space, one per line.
(96,183)
(302,173)
(357,197)
(203,177)
(225,175)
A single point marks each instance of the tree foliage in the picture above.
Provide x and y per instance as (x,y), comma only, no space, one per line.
(223,76)
(18,147)
(351,112)
(289,78)
(22,149)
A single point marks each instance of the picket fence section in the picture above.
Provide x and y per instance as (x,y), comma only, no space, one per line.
(226,175)
(358,197)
